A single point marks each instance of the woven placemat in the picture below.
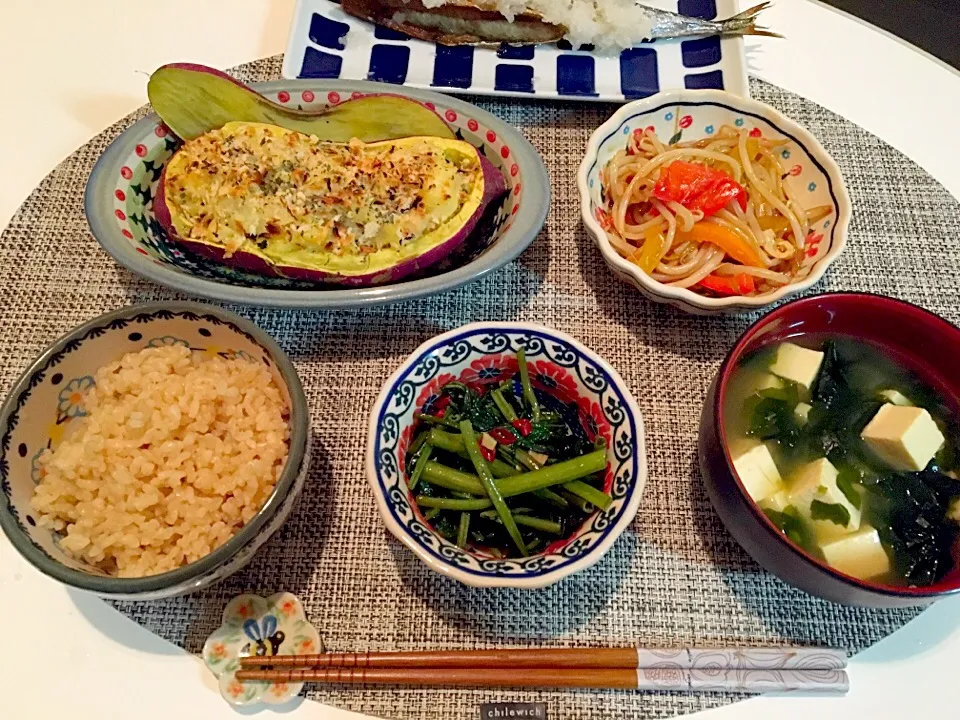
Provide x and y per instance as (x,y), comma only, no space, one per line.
(676,578)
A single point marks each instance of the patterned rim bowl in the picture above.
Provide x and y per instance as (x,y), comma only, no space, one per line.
(486,352)
(693,114)
(44,401)
(118,203)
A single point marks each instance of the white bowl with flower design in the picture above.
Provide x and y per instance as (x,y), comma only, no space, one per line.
(683,115)
(47,399)
(253,626)
(483,353)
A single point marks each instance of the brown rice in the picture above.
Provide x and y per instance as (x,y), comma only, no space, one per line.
(178,451)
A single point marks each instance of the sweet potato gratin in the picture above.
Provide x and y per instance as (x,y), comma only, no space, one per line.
(279,201)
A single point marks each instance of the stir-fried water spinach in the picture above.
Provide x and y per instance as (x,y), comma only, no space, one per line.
(505,469)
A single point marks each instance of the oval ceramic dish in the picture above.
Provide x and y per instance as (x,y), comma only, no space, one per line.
(931,345)
(477,353)
(119,207)
(683,115)
(36,413)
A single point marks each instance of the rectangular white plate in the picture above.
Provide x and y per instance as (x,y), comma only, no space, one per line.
(325,42)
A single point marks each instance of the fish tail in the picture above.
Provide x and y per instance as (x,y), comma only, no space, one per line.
(745,23)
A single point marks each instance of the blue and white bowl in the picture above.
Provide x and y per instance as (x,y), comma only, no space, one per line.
(485,352)
(683,115)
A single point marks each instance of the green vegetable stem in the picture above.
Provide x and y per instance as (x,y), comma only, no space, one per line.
(589,493)
(541,524)
(453,503)
(556,474)
(528,393)
(486,477)
(505,408)
(463,529)
(422,459)
(454,443)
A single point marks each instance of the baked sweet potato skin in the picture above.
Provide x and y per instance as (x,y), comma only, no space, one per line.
(194,99)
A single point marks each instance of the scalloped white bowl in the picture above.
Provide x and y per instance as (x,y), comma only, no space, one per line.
(487,351)
(697,114)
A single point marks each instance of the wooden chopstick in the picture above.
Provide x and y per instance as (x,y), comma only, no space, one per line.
(727,680)
(597,658)
(509,658)
(454,677)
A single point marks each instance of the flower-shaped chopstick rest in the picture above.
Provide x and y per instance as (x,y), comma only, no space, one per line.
(253,625)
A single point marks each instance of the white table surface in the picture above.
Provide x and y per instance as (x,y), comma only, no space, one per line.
(68,69)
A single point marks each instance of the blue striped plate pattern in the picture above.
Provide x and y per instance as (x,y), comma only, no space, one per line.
(327,43)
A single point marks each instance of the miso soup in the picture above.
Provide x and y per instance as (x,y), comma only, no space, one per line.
(850,454)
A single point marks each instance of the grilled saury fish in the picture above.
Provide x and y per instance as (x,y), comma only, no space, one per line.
(600,22)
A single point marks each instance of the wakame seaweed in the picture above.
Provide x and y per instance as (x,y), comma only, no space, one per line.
(773,419)
(792,525)
(909,516)
(847,481)
(834,512)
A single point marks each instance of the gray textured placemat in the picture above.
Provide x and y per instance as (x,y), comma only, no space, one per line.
(675,578)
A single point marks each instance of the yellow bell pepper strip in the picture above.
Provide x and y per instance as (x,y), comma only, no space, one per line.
(727,240)
(654,248)
(741,284)
(698,187)
(777,223)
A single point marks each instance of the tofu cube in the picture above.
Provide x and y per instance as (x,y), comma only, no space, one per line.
(896,397)
(758,472)
(817,480)
(906,438)
(755,380)
(953,513)
(802,413)
(779,501)
(767,381)
(797,364)
(826,531)
(859,554)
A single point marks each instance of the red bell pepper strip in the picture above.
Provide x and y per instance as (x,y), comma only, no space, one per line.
(489,454)
(698,187)
(523,426)
(503,436)
(741,284)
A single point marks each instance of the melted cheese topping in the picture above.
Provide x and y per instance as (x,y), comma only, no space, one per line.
(293,196)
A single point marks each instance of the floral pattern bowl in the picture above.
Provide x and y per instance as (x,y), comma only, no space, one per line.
(682,115)
(254,626)
(46,399)
(119,207)
(486,352)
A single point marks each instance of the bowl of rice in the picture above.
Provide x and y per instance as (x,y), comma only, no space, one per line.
(151,451)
